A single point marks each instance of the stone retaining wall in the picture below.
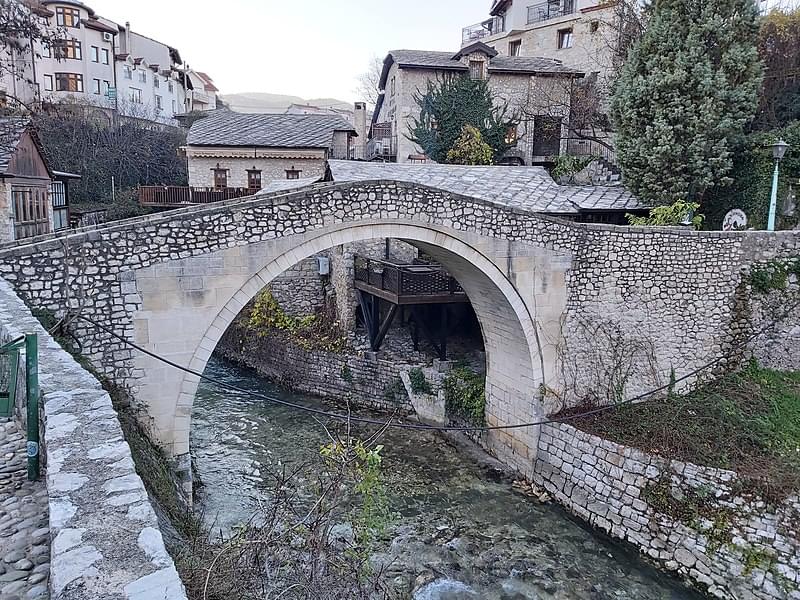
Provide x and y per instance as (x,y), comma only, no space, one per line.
(734,546)
(367,379)
(105,537)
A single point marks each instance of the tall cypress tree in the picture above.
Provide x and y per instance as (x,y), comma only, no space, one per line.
(684,97)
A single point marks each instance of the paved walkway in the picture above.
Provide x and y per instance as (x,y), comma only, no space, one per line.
(24,531)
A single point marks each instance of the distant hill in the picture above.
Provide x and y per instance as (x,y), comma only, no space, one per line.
(257,102)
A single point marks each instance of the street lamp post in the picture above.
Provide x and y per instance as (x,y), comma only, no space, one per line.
(778,150)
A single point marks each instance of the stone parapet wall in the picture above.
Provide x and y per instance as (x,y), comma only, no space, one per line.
(364,378)
(106,542)
(731,544)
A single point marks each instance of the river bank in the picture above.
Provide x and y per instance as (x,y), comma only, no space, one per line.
(461,530)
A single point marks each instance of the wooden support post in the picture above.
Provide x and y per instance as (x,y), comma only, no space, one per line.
(384,329)
(443,331)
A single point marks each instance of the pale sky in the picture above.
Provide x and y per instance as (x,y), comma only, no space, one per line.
(308,48)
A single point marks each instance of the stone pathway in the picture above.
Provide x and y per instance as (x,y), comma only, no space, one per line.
(24,530)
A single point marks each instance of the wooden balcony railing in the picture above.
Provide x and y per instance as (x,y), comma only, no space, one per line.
(175,196)
(406,284)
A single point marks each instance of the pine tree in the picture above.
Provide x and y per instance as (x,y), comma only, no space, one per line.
(684,97)
(450,104)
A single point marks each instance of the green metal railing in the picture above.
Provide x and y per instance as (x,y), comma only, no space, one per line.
(9,370)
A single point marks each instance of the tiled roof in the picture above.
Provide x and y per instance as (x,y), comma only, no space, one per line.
(226,128)
(526,188)
(500,64)
(209,83)
(11,130)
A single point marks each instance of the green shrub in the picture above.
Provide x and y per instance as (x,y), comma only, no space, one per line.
(465,394)
(419,384)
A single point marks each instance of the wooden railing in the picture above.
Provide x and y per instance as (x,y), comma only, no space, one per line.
(406,280)
(166,196)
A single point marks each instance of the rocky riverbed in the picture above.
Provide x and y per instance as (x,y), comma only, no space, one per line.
(461,529)
(24,530)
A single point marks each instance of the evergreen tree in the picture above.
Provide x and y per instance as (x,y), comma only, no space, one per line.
(684,97)
(453,102)
(470,149)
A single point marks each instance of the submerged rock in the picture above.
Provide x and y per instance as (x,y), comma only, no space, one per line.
(445,589)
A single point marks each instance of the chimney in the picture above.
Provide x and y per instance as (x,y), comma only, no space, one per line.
(360,124)
(128,48)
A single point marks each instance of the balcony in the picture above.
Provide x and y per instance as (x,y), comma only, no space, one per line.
(539,13)
(407,284)
(162,196)
(476,32)
(382,148)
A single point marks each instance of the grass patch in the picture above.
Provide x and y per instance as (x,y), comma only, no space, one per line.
(748,422)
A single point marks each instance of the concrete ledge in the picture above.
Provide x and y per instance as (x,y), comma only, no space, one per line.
(105,537)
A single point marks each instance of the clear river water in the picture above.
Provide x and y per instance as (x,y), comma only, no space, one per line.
(462,530)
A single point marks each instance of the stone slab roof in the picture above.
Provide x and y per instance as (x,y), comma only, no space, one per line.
(526,188)
(227,128)
(426,59)
(286,185)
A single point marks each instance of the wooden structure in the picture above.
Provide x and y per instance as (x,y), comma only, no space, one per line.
(161,196)
(422,290)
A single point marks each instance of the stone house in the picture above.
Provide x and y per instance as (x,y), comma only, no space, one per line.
(537,90)
(236,150)
(582,34)
(33,197)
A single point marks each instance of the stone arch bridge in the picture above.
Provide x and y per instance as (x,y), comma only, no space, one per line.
(567,310)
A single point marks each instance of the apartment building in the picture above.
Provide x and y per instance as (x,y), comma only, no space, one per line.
(536,89)
(582,34)
(102,63)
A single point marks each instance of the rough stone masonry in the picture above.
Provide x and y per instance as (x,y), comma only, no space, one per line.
(106,542)
(556,300)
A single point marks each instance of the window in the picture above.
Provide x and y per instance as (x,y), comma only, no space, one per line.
(511,135)
(46,51)
(96,86)
(135,95)
(68,49)
(156,82)
(174,107)
(106,87)
(48,83)
(68,17)
(58,197)
(220,178)
(69,82)
(105,56)
(476,69)
(142,76)
(514,48)
(95,54)
(159,103)
(565,39)
(31,213)
(293,173)
(254,179)
(170,87)
(128,72)
(393,85)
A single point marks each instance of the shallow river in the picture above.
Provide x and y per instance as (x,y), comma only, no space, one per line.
(462,531)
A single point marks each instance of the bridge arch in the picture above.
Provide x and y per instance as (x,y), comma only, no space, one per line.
(512,356)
